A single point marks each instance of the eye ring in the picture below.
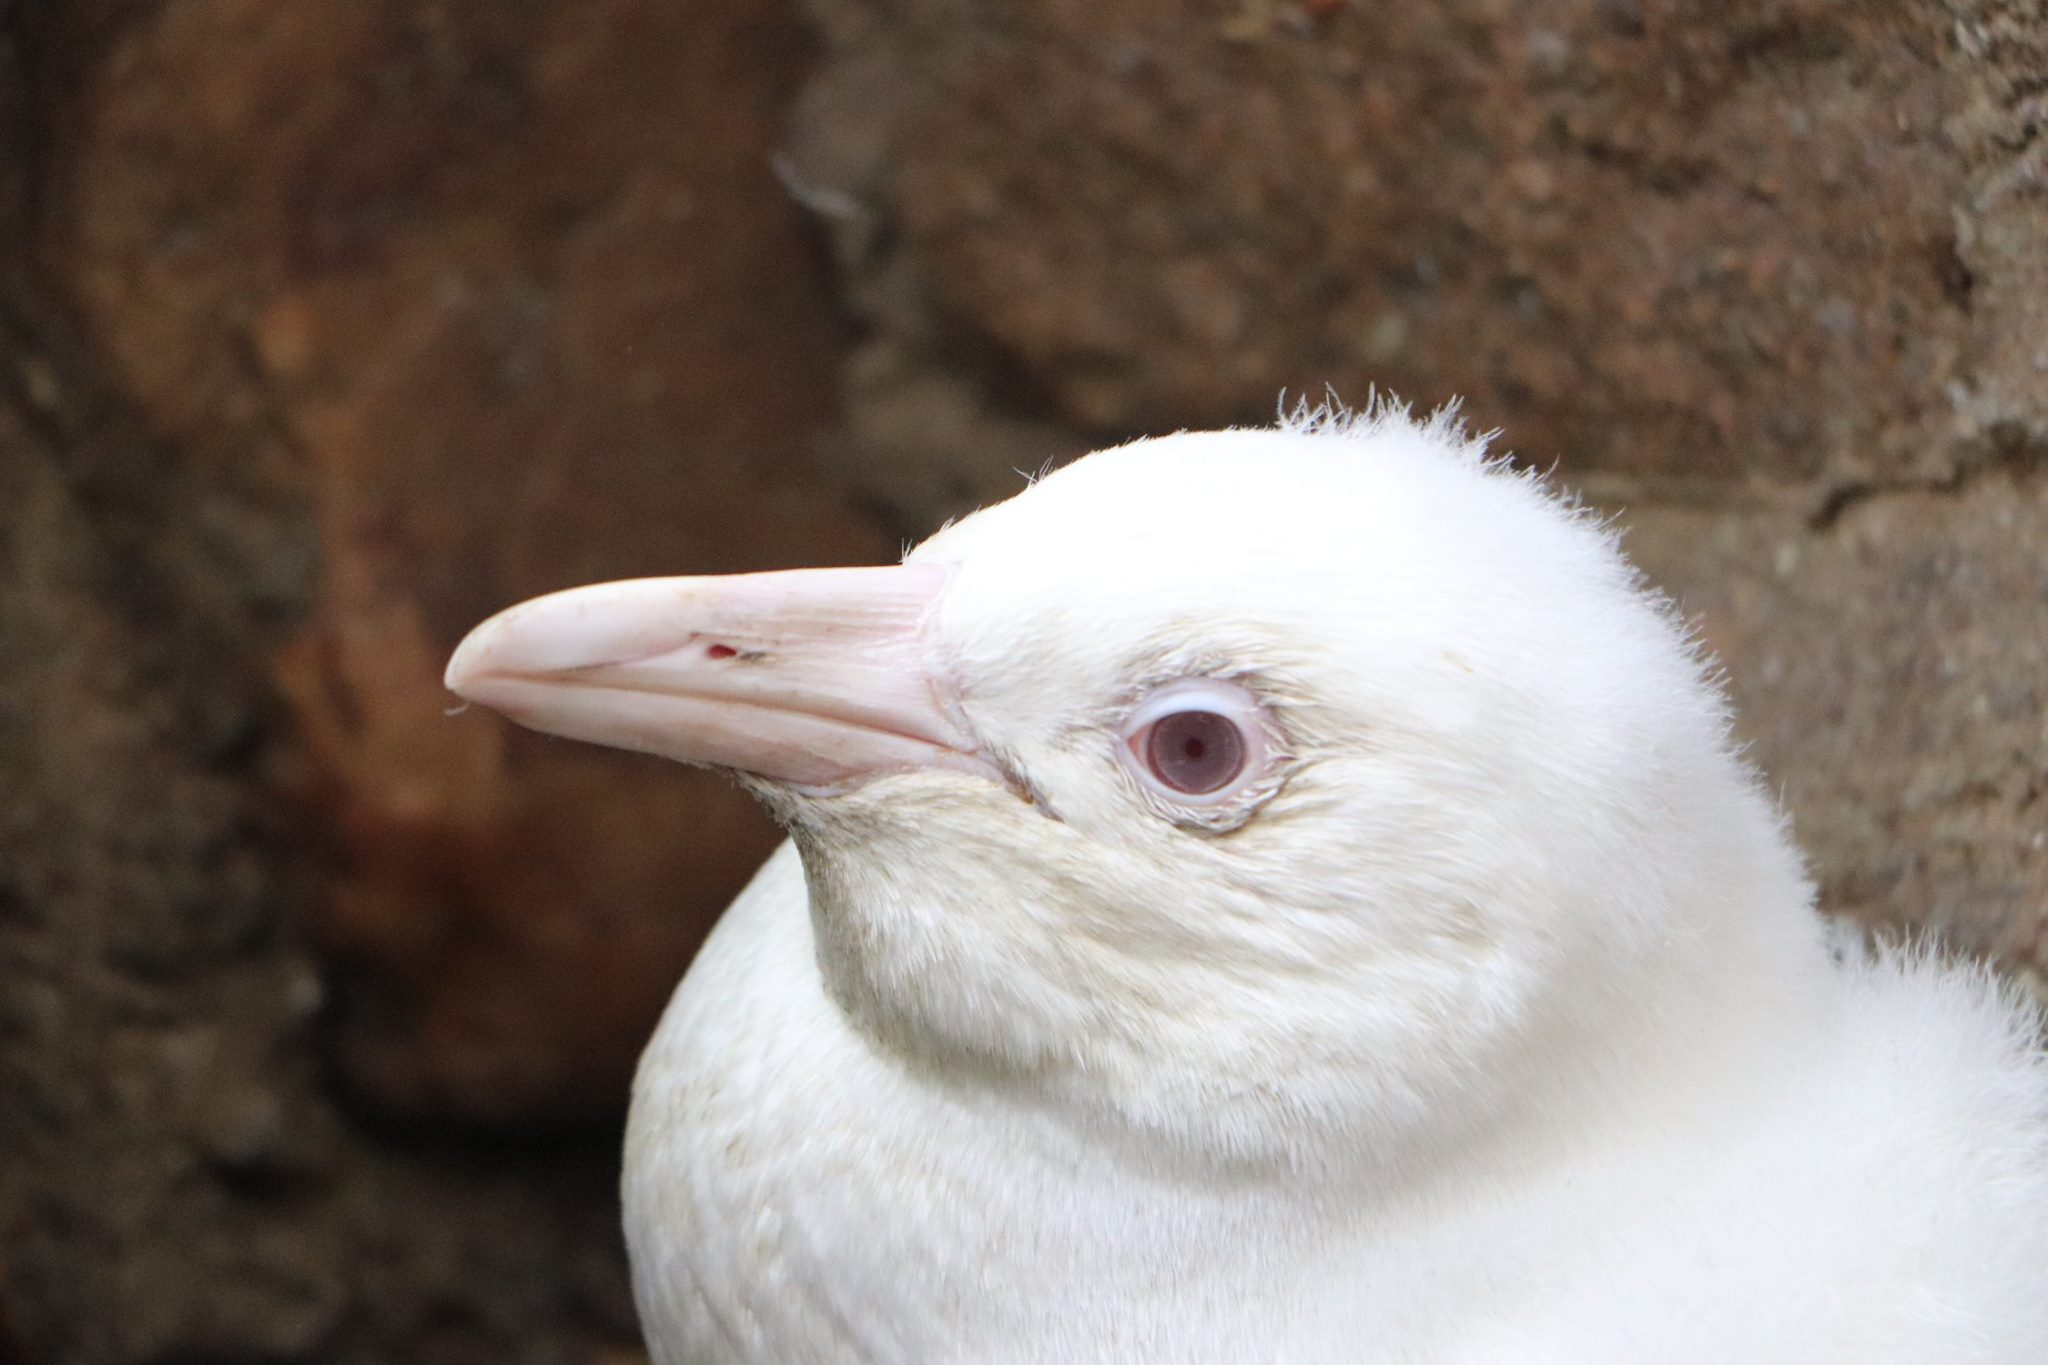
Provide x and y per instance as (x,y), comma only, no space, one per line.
(1198,742)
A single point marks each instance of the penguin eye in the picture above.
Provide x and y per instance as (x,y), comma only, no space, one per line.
(1196,742)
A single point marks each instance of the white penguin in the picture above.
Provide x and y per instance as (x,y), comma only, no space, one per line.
(1275,896)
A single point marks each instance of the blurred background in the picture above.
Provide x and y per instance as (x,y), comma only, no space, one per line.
(327,329)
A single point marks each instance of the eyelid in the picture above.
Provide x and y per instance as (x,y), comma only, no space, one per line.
(1194,694)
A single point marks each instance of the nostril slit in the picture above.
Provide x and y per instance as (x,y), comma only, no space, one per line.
(720,652)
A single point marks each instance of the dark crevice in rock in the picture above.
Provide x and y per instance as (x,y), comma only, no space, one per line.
(2007,448)
(1958,283)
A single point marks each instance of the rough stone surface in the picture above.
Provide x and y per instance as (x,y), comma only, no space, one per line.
(177,1179)
(326,329)
(481,301)
(1699,243)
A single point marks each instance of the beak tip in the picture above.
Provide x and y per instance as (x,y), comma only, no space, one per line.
(465,665)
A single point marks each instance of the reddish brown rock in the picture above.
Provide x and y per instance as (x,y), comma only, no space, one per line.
(325,330)
(505,299)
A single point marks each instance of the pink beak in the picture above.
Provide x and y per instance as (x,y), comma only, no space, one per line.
(818,678)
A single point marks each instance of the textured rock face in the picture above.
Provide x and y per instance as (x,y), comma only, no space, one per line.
(178,1180)
(326,329)
(1701,244)
(495,299)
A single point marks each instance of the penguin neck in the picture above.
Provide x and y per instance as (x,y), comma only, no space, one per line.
(1668,1060)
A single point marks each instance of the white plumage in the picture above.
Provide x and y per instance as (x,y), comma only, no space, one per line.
(1478,1014)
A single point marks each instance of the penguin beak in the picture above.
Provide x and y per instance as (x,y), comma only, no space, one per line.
(816,678)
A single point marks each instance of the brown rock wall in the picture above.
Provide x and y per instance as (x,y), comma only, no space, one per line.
(1699,244)
(493,299)
(325,330)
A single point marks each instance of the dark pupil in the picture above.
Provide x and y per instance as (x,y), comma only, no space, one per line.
(1195,752)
